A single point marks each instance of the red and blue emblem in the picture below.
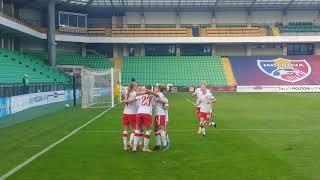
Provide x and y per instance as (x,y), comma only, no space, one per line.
(285,69)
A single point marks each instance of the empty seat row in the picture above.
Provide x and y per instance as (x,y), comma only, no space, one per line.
(94,61)
(179,71)
(298,27)
(233,32)
(14,65)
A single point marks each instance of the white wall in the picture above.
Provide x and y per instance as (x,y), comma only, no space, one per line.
(32,44)
(69,47)
(133,17)
(99,22)
(160,17)
(302,16)
(261,16)
(231,50)
(223,17)
(30,15)
(266,16)
(195,17)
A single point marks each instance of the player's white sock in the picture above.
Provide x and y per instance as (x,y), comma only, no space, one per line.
(131,137)
(158,138)
(125,139)
(199,131)
(147,139)
(136,139)
(141,137)
(163,137)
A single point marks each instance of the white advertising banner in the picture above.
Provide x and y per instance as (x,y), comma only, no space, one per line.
(22,102)
(299,88)
(257,89)
(306,88)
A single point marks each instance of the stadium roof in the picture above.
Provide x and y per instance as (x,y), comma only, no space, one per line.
(190,4)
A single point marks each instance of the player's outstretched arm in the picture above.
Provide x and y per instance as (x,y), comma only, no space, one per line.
(129,100)
(153,93)
(143,92)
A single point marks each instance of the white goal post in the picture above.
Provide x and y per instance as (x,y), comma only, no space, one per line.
(97,88)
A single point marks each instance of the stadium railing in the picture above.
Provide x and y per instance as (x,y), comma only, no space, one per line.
(15,89)
(31,26)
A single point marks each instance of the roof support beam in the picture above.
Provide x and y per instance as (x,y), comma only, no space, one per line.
(89,3)
(253,3)
(111,2)
(122,2)
(288,5)
(216,4)
(141,6)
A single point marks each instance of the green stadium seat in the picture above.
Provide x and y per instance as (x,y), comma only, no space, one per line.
(14,66)
(179,71)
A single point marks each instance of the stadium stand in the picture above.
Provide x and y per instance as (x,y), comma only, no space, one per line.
(87,31)
(94,61)
(298,27)
(13,66)
(179,71)
(151,32)
(19,21)
(131,31)
(233,31)
(228,72)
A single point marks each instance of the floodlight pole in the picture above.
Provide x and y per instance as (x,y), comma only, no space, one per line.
(51,33)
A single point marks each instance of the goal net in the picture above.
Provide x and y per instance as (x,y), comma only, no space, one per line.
(97,88)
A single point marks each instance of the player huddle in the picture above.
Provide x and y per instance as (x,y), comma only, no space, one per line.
(140,104)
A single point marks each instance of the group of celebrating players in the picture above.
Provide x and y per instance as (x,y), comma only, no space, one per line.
(137,117)
(140,103)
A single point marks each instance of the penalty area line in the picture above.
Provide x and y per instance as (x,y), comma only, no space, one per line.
(189,101)
(32,158)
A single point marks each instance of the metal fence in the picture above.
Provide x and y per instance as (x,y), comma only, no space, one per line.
(8,90)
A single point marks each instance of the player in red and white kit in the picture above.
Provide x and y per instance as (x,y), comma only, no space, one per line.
(197,93)
(160,119)
(129,113)
(205,103)
(143,118)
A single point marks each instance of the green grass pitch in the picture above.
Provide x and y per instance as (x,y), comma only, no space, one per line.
(263,136)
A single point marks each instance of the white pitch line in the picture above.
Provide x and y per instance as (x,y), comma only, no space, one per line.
(189,101)
(26,162)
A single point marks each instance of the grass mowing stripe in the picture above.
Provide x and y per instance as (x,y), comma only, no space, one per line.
(26,162)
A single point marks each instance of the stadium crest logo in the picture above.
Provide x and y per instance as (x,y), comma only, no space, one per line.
(285,69)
